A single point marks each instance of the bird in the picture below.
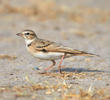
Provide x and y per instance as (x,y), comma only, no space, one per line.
(49,50)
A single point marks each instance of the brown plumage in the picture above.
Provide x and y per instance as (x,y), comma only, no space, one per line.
(45,45)
(47,50)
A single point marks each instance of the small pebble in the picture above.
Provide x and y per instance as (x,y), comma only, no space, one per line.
(36,68)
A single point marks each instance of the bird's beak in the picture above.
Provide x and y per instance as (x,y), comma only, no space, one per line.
(20,34)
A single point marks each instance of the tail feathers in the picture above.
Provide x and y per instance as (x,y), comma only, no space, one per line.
(82,53)
(88,54)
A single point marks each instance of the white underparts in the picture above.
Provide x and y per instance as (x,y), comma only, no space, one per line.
(49,55)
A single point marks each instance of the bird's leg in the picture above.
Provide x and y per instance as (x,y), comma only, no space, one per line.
(53,64)
(59,66)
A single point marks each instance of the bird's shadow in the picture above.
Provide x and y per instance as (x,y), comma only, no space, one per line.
(79,70)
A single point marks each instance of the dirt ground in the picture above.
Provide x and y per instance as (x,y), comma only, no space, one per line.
(79,24)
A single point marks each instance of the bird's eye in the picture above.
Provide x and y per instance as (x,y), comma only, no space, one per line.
(26,33)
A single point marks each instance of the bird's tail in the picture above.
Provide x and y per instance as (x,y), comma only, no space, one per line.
(82,53)
(87,54)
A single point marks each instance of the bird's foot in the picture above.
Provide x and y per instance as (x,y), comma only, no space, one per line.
(60,69)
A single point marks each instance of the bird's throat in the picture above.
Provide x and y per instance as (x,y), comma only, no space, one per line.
(28,42)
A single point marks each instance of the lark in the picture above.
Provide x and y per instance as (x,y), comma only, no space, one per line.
(49,50)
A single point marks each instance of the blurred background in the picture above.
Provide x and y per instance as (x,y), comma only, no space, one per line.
(79,24)
(65,21)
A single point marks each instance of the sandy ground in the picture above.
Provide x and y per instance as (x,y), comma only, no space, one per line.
(79,25)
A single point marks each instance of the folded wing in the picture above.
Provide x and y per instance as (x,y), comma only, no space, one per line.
(47,46)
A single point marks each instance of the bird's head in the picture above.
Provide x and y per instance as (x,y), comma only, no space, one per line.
(27,34)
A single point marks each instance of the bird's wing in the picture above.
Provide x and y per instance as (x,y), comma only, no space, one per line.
(48,46)
(42,44)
